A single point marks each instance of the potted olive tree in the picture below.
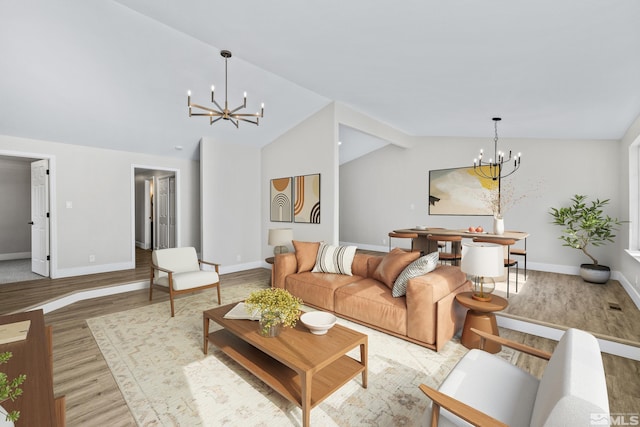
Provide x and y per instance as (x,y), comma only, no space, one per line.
(586,224)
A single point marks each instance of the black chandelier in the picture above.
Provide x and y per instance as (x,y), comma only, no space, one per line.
(496,168)
(225,113)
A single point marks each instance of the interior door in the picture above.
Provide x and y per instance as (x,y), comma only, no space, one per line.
(162,201)
(40,217)
(172,212)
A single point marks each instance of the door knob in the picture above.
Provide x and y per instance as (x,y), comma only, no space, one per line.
(30,223)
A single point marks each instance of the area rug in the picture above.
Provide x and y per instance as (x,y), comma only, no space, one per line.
(166,380)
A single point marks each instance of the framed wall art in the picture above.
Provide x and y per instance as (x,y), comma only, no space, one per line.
(281,199)
(459,191)
(306,208)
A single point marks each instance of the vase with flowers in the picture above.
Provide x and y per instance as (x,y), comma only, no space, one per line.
(9,390)
(277,308)
(499,199)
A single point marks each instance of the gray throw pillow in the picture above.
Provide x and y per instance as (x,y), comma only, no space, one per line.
(417,268)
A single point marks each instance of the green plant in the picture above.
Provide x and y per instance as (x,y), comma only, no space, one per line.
(276,305)
(10,389)
(586,224)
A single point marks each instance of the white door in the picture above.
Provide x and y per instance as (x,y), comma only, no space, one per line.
(162,201)
(40,217)
(172,212)
(147,214)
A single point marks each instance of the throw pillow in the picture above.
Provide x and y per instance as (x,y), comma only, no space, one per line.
(306,253)
(334,259)
(392,265)
(417,268)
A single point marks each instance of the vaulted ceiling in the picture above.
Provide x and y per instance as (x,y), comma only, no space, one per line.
(115,73)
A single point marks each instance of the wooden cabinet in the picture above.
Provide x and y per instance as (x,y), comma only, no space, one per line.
(31,357)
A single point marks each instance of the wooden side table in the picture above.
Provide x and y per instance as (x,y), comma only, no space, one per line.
(481,317)
(271,260)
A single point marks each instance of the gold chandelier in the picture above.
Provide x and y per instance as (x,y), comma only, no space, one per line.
(225,113)
(496,169)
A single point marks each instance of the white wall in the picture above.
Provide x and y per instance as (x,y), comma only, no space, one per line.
(388,189)
(15,209)
(230,212)
(98,184)
(310,147)
(630,195)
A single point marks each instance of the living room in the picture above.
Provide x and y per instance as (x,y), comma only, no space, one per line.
(223,185)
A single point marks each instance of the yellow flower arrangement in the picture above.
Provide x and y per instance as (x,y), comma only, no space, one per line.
(275,305)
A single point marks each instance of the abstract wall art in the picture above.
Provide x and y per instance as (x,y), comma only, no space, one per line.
(306,208)
(281,199)
(459,191)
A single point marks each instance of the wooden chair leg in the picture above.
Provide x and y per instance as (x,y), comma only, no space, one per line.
(151,285)
(218,288)
(60,410)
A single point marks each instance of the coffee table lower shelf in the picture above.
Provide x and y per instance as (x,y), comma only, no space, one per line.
(282,379)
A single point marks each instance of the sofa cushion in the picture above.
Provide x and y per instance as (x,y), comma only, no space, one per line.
(392,265)
(573,385)
(370,301)
(317,289)
(492,385)
(422,265)
(334,259)
(189,279)
(178,260)
(306,253)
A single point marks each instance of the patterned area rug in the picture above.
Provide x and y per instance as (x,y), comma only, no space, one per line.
(166,380)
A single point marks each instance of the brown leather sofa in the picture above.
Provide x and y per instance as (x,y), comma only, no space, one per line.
(427,315)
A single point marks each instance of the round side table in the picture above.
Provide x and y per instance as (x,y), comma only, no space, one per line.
(480,316)
(271,260)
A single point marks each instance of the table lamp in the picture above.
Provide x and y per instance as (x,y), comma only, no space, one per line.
(280,237)
(483,260)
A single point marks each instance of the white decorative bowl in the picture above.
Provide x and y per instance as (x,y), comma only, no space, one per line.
(318,322)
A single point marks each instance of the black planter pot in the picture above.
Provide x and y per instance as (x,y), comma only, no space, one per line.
(595,273)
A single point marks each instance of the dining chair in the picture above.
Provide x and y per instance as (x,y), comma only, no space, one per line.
(520,251)
(454,254)
(508,261)
(399,235)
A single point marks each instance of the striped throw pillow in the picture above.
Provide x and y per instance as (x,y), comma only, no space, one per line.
(417,268)
(334,259)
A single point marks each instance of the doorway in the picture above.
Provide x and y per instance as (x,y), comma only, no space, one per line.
(25,244)
(155,213)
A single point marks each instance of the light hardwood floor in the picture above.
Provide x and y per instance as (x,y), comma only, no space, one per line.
(93,398)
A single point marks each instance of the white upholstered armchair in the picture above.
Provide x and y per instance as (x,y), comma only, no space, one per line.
(485,390)
(178,271)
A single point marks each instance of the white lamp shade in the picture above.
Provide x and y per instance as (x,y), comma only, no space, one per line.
(280,236)
(483,259)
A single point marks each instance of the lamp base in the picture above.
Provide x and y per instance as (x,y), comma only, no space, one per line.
(485,298)
(482,290)
(280,250)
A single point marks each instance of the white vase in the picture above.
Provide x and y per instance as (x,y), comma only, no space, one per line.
(498,226)
(3,418)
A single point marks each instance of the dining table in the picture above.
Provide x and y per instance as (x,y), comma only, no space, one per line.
(422,244)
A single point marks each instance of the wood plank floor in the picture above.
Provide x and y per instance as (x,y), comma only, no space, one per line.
(93,398)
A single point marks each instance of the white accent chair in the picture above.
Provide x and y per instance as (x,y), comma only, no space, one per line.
(485,390)
(178,271)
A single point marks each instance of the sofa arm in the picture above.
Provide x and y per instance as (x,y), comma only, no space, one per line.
(284,265)
(430,301)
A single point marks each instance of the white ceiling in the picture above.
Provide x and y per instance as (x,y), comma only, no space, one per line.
(115,74)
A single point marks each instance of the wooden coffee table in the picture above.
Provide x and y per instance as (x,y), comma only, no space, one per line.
(302,367)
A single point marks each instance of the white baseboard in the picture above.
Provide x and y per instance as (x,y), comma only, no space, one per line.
(15,255)
(88,294)
(240,267)
(93,269)
(611,347)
